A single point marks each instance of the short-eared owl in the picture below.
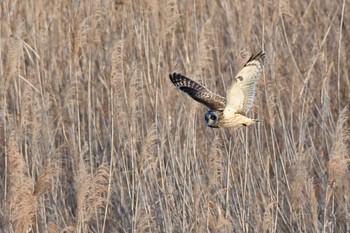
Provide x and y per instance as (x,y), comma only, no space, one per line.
(230,111)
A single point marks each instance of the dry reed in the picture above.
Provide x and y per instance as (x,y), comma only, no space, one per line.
(94,137)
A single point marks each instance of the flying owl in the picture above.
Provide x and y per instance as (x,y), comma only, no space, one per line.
(227,112)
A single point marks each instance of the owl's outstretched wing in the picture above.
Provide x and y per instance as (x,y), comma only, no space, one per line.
(198,92)
(240,95)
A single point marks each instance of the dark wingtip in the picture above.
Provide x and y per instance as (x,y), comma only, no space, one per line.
(261,56)
(172,77)
(175,77)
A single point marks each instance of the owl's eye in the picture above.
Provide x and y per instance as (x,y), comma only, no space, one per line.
(212,117)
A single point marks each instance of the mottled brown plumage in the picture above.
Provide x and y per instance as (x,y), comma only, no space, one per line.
(198,92)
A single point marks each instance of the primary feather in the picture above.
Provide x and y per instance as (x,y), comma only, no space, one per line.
(198,92)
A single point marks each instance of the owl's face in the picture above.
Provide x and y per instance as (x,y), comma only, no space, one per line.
(212,118)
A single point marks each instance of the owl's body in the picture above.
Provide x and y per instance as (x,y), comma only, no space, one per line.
(227,112)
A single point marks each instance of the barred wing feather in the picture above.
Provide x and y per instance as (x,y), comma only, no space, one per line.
(198,92)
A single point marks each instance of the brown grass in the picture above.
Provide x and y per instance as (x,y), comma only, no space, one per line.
(94,137)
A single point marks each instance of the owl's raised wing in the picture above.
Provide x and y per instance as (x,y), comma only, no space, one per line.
(198,92)
(240,95)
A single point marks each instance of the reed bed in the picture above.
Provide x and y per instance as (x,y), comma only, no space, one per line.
(95,138)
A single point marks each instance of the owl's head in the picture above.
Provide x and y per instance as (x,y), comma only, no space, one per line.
(212,118)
